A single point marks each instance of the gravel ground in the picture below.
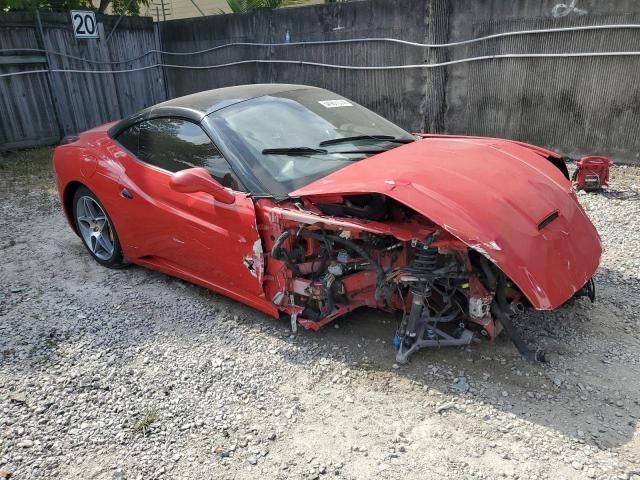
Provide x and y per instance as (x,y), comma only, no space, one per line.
(131,374)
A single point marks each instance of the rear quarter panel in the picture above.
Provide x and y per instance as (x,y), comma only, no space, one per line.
(89,161)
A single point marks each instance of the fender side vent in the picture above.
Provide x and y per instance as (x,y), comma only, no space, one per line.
(548,220)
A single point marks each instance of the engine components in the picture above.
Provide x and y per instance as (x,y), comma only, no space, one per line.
(449,294)
(432,281)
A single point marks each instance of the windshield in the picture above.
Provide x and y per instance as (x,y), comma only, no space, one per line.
(292,138)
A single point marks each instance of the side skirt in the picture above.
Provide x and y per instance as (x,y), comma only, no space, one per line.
(252,301)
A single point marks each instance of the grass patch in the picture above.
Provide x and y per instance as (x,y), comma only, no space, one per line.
(36,162)
(26,170)
(141,424)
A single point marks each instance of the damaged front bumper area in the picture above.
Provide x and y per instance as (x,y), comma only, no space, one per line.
(444,292)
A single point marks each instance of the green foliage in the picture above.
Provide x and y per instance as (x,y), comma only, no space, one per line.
(142,423)
(46,5)
(274,3)
(240,6)
(118,6)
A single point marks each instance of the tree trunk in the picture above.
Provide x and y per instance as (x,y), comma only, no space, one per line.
(103,6)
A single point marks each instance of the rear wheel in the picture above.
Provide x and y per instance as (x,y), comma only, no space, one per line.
(96,229)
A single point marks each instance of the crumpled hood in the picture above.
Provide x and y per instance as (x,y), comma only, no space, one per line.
(493,195)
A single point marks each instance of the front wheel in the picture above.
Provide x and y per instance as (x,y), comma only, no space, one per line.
(96,229)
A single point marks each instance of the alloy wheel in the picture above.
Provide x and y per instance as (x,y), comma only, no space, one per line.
(95,228)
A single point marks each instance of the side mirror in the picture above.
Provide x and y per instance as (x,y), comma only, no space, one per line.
(198,179)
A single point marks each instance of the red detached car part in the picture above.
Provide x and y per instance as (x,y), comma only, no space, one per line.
(279,200)
(592,173)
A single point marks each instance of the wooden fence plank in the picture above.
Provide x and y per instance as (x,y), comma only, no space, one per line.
(27,115)
(85,100)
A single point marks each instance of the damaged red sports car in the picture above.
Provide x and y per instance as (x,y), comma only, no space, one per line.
(299,202)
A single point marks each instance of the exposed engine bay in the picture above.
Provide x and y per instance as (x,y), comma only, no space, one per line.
(331,255)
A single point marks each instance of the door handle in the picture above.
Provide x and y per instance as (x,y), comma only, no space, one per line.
(126,194)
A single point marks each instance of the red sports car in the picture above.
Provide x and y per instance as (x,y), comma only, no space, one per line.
(300,202)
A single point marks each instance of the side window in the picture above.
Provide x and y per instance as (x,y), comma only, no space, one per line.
(174,144)
(129,138)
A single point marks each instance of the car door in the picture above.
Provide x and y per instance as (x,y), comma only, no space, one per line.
(186,233)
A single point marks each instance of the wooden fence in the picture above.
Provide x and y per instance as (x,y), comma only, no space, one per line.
(396,94)
(40,108)
(574,105)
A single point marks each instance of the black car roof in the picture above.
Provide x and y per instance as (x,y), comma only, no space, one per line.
(197,105)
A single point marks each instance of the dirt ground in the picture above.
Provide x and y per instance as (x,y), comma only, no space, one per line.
(130,374)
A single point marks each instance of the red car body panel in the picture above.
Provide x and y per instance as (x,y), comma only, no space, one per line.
(542,151)
(498,214)
(190,236)
(441,177)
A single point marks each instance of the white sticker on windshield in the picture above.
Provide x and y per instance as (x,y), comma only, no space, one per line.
(335,103)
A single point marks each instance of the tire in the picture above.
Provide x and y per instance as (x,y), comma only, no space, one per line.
(95,228)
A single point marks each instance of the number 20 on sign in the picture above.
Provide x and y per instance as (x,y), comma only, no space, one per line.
(84,24)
